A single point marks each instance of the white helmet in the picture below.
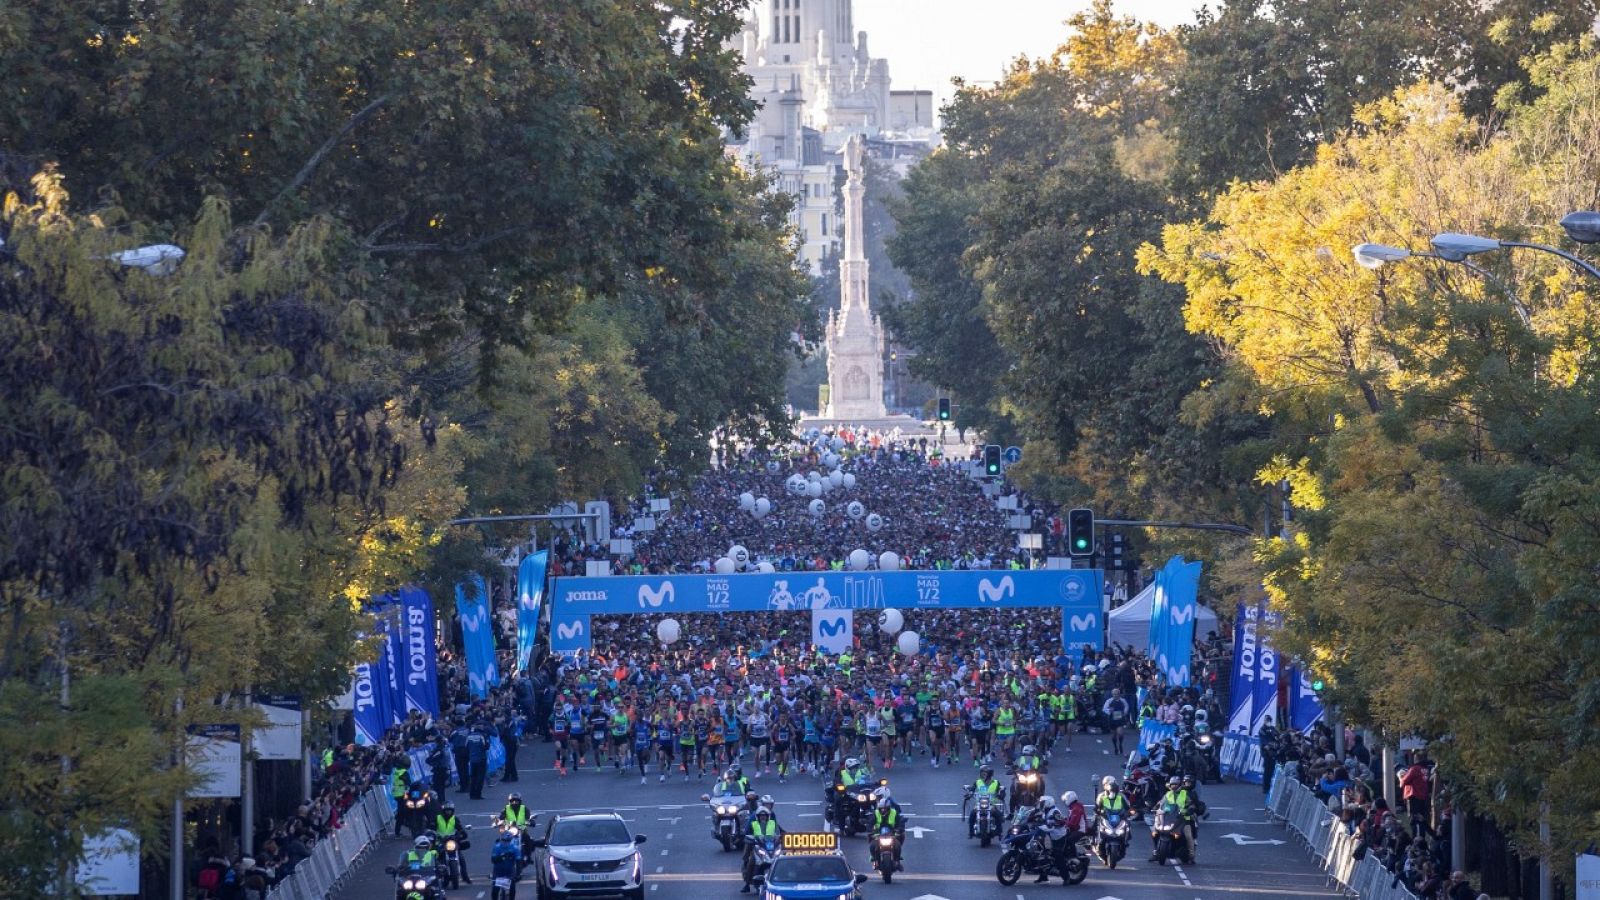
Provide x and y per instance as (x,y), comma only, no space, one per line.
(881,793)
(851,762)
(1069,798)
(1047,802)
(1201,716)
(1108,783)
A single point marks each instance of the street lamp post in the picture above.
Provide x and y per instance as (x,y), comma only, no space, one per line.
(1583,227)
(1375,256)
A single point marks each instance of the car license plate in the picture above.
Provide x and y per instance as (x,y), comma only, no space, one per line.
(593,876)
(503,883)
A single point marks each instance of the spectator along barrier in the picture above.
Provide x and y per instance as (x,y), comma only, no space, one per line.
(333,857)
(1333,845)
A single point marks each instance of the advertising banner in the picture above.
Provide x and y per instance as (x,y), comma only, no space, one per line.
(1241,688)
(569,634)
(1172,619)
(394,650)
(280,738)
(213,755)
(1305,707)
(477,633)
(110,864)
(530,596)
(832,630)
(419,654)
(1241,758)
(1267,669)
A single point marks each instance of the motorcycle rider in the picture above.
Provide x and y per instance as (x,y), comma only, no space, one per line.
(515,812)
(1030,759)
(1053,819)
(762,826)
(446,825)
(725,786)
(399,782)
(984,784)
(1183,802)
(735,777)
(887,812)
(1196,805)
(1110,799)
(421,856)
(506,858)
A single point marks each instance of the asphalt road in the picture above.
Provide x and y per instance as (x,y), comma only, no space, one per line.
(1240,852)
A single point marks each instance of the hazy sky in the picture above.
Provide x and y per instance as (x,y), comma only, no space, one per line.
(927,42)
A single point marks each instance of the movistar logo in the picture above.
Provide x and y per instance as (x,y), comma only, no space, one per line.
(1084,623)
(989,592)
(654,597)
(472,621)
(569,630)
(1181,615)
(832,627)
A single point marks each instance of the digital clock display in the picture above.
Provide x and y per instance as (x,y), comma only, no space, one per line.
(810,842)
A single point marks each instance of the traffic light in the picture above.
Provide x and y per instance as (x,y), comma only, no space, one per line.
(944,409)
(1114,551)
(1080,532)
(991,460)
(1318,685)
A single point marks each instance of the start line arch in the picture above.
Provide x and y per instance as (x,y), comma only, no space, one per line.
(1077,593)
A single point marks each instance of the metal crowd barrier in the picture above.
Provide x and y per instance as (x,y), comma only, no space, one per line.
(334,856)
(1322,834)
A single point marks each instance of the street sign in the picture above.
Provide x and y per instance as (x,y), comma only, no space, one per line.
(1012,455)
(1243,840)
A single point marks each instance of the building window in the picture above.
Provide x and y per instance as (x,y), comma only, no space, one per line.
(824,223)
(786,29)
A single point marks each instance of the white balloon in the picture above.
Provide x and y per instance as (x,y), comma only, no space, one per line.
(813,489)
(836,478)
(874,522)
(723,566)
(763,506)
(909,642)
(765,568)
(668,631)
(831,460)
(739,555)
(747,501)
(813,476)
(855,509)
(891,620)
(849,481)
(859,559)
(888,560)
(838,443)
(817,507)
(796,484)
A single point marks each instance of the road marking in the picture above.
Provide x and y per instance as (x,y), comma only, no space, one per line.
(659,869)
(654,886)
(807,815)
(663,853)
(734,878)
(670,807)
(941,804)
(1244,840)
(917,831)
(673,819)
(669,835)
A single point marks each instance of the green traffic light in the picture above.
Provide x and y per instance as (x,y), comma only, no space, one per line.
(1318,685)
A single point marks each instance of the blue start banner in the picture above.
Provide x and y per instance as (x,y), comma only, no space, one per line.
(421,655)
(1267,668)
(1305,707)
(1241,757)
(1076,592)
(1241,693)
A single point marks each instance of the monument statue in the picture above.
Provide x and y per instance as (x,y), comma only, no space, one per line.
(855,336)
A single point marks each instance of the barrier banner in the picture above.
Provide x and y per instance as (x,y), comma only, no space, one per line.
(1241,757)
(477,633)
(832,630)
(530,596)
(1172,619)
(1241,688)
(1154,733)
(280,738)
(1076,592)
(1267,668)
(1305,707)
(420,675)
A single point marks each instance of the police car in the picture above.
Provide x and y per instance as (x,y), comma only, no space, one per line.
(810,866)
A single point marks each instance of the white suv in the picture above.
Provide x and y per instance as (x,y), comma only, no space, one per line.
(589,855)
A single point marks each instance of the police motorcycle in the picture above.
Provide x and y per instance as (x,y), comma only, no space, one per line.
(450,848)
(1172,841)
(1026,850)
(850,806)
(1027,786)
(1111,830)
(727,818)
(416,809)
(763,851)
(988,819)
(885,849)
(414,878)
(810,866)
(1139,785)
(523,835)
(1208,742)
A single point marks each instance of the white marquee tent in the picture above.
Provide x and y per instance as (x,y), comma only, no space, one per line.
(1130,622)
